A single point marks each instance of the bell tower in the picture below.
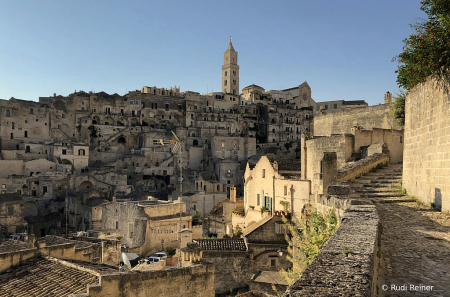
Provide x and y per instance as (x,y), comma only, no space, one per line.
(230,71)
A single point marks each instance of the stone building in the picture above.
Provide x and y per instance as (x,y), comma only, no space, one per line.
(12,213)
(230,71)
(145,224)
(272,186)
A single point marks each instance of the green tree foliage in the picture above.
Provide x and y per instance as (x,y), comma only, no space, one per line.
(196,214)
(308,235)
(170,251)
(398,113)
(427,51)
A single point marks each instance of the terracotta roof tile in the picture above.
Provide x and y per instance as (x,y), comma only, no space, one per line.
(232,244)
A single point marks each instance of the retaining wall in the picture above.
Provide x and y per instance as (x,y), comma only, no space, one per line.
(347,265)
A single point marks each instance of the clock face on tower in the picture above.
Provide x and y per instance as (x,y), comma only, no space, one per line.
(304,96)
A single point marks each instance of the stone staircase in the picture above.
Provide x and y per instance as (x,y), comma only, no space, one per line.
(380,186)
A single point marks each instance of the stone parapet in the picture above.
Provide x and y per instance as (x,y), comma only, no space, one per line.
(361,167)
(348,262)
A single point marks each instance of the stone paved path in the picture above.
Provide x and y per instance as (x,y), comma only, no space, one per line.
(415,249)
(415,240)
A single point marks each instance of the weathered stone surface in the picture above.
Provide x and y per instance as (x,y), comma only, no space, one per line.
(414,249)
(426,164)
(339,188)
(346,264)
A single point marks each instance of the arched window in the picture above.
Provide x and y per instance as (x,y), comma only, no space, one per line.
(27,149)
(226,73)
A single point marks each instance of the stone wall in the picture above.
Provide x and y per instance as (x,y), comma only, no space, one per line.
(196,280)
(348,262)
(426,165)
(234,269)
(341,144)
(361,167)
(69,250)
(342,121)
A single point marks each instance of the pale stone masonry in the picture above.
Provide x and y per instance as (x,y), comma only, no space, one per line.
(426,164)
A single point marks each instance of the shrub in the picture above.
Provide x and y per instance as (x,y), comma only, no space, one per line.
(170,251)
(307,237)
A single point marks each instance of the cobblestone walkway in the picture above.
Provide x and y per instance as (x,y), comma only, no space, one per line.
(415,240)
(415,249)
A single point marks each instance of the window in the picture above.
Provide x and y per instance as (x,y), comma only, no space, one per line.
(273,263)
(63,116)
(335,106)
(228,181)
(264,173)
(326,106)
(401,139)
(82,108)
(3,186)
(195,106)
(3,191)
(258,201)
(117,224)
(285,190)
(226,73)
(31,110)
(44,189)
(81,152)
(45,115)
(317,107)
(8,113)
(136,102)
(131,101)
(179,107)
(64,152)
(12,136)
(10,210)
(108,110)
(60,107)
(25,133)
(167,106)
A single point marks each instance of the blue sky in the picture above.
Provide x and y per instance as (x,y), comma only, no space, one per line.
(343,49)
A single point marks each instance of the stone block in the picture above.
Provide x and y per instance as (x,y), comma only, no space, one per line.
(339,189)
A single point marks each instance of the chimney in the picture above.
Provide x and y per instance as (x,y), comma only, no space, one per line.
(233,194)
(387,98)
(54,94)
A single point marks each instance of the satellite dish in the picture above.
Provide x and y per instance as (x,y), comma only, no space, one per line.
(126,261)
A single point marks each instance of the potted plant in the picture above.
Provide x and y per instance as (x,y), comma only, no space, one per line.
(170,252)
(237,233)
(225,235)
(263,209)
(252,206)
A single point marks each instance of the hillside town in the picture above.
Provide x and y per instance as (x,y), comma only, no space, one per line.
(160,192)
